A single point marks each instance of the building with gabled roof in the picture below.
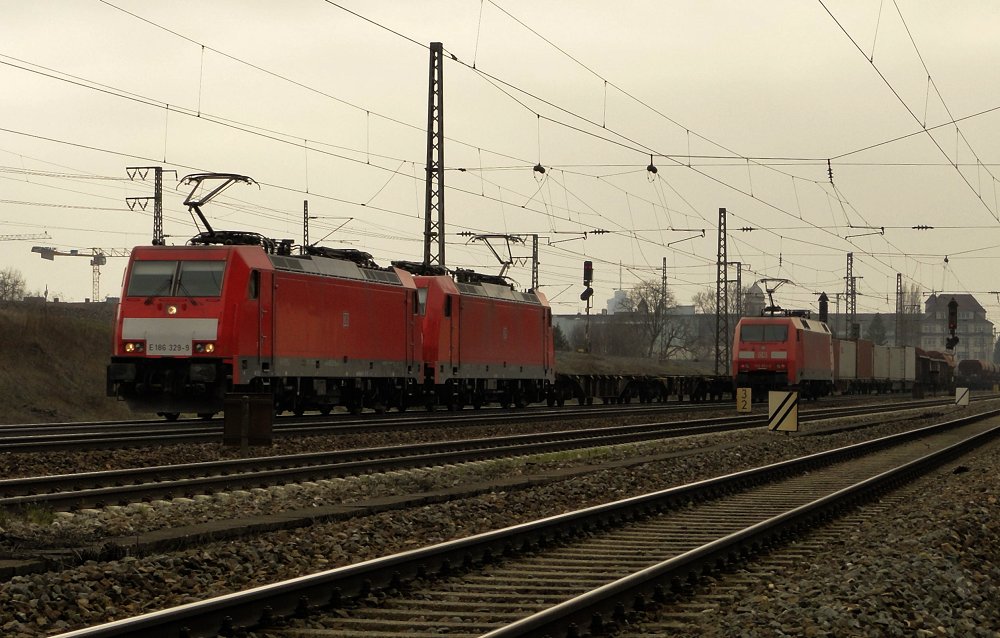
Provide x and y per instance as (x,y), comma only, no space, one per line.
(975,331)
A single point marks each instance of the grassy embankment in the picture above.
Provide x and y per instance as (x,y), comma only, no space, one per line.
(52,363)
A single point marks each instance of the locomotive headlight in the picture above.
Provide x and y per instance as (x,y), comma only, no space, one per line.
(171,310)
(204,347)
(209,348)
(134,346)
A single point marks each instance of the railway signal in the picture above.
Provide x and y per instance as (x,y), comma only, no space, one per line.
(588,278)
(952,341)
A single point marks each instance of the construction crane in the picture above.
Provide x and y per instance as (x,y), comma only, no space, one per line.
(23,237)
(98,258)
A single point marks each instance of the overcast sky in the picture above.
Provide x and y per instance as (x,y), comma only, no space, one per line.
(740,104)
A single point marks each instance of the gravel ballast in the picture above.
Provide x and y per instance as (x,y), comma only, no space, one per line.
(46,603)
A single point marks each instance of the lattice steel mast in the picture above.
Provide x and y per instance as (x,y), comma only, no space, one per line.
(722,335)
(434,196)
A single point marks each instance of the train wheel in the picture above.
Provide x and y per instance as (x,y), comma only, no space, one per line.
(206,416)
(325,410)
(170,416)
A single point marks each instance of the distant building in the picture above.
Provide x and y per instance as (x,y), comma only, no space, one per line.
(975,331)
(754,301)
(929,330)
(616,301)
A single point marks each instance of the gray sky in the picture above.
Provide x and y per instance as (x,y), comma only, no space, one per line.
(740,103)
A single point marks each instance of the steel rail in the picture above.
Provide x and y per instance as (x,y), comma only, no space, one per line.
(112,435)
(109,435)
(88,489)
(261,606)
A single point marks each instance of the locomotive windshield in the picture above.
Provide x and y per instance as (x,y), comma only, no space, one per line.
(176,279)
(764,333)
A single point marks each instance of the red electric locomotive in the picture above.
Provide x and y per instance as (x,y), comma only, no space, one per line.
(235,311)
(783,352)
(316,330)
(483,340)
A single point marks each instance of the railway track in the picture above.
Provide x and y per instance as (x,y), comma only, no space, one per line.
(578,573)
(118,487)
(111,434)
(116,435)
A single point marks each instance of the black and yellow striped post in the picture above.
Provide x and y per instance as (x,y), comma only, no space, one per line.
(783,411)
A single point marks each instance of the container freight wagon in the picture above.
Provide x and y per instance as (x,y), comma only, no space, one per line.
(902,368)
(884,369)
(485,342)
(880,374)
(845,355)
(854,370)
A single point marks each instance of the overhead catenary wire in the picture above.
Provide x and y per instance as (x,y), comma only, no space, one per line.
(547,203)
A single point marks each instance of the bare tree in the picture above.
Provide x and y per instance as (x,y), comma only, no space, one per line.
(701,343)
(704,300)
(11,285)
(649,305)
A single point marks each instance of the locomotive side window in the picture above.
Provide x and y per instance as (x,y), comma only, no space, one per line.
(421,301)
(447,306)
(151,278)
(200,278)
(254,288)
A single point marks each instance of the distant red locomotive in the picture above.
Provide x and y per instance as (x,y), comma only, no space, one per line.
(795,352)
(783,352)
